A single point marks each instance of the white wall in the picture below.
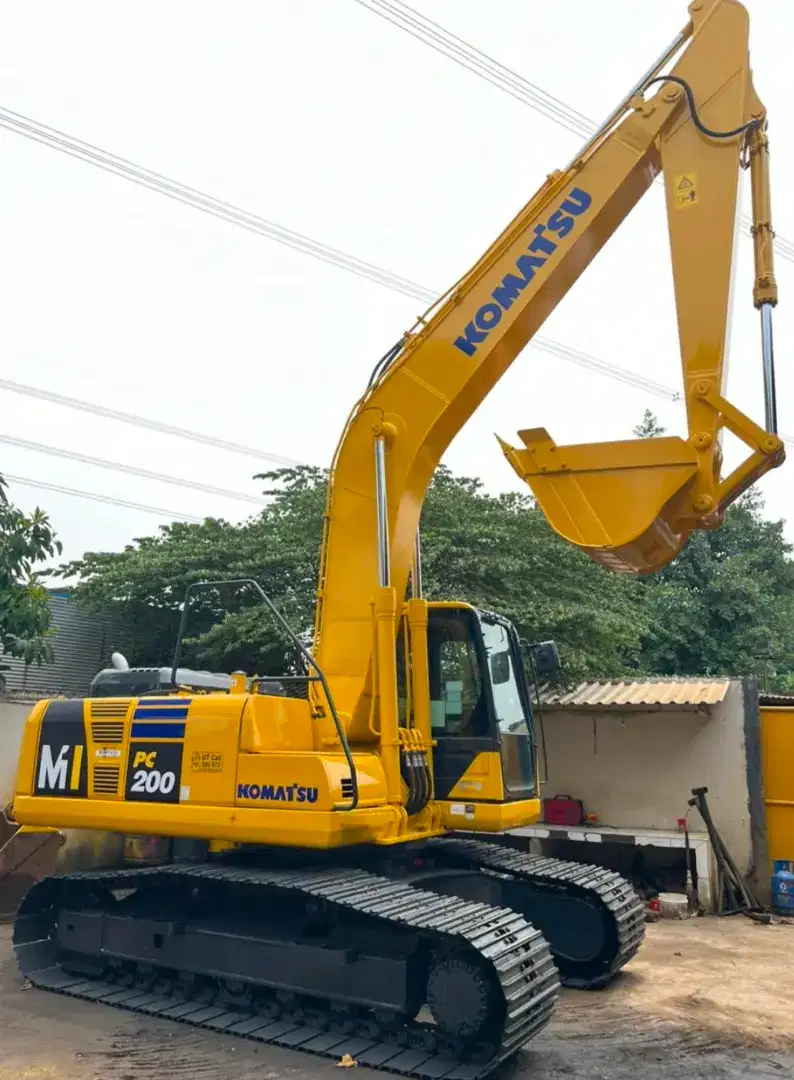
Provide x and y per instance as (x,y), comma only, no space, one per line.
(638,769)
(12,720)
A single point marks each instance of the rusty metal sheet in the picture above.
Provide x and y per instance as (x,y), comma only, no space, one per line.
(25,858)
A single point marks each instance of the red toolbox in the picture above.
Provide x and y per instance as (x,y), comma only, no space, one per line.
(563,810)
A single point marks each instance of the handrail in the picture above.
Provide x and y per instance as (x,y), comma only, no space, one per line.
(304,651)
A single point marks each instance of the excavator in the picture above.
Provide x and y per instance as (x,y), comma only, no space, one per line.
(336,872)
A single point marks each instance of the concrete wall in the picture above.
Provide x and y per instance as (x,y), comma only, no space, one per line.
(638,769)
(12,719)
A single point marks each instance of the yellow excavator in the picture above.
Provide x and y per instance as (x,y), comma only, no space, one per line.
(323,879)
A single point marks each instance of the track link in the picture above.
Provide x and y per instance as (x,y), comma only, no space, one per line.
(601,887)
(514,954)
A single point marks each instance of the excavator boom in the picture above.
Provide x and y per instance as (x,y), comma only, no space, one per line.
(629,505)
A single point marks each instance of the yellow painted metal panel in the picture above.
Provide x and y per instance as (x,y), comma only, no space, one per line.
(777,749)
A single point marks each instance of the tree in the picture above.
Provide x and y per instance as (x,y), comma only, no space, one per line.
(25,541)
(649,427)
(725,601)
(708,613)
(227,629)
(497,552)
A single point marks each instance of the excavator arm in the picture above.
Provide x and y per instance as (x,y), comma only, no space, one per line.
(693,117)
(631,505)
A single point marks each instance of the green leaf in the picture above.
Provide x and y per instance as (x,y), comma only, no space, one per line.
(25,541)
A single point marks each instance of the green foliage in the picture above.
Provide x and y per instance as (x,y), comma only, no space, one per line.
(709,613)
(649,427)
(727,600)
(496,552)
(25,541)
(279,548)
(499,552)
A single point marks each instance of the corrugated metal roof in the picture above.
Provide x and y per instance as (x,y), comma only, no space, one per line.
(783,700)
(638,694)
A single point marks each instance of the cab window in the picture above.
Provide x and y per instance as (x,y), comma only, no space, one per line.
(458,704)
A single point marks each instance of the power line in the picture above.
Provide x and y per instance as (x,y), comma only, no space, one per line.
(506,79)
(143,422)
(90,154)
(473,59)
(430,33)
(556,348)
(592,363)
(86,152)
(200,200)
(117,466)
(25,481)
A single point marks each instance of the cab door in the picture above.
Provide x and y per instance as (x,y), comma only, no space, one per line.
(479,708)
(511,708)
(460,716)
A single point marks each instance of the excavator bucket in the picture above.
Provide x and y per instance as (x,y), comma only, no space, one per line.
(26,856)
(628,505)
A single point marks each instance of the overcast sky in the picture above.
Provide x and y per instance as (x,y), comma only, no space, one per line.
(320,116)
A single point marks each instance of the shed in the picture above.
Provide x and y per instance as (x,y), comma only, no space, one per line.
(633,750)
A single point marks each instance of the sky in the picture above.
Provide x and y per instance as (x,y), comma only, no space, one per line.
(328,120)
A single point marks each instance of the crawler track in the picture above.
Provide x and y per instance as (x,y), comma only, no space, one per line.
(607,904)
(498,956)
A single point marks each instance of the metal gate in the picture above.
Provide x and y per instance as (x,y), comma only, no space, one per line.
(777,748)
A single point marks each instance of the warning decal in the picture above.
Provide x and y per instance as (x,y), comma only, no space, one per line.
(686,190)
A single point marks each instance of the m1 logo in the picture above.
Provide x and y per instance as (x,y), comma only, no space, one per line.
(54,772)
(153,772)
(61,765)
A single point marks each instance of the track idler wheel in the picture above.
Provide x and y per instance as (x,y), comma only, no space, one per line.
(464,1001)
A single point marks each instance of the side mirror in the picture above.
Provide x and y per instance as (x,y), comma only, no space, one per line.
(546,657)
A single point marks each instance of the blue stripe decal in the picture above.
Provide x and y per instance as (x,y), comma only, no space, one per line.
(160,714)
(155,703)
(170,702)
(157,731)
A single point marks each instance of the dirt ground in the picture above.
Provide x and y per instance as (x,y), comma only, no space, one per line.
(707,998)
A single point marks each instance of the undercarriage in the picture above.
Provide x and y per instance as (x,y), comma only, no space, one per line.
(434,963)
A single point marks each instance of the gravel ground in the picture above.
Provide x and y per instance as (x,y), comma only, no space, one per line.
(707,998)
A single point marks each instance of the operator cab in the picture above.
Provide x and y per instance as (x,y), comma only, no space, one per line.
(480,703)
